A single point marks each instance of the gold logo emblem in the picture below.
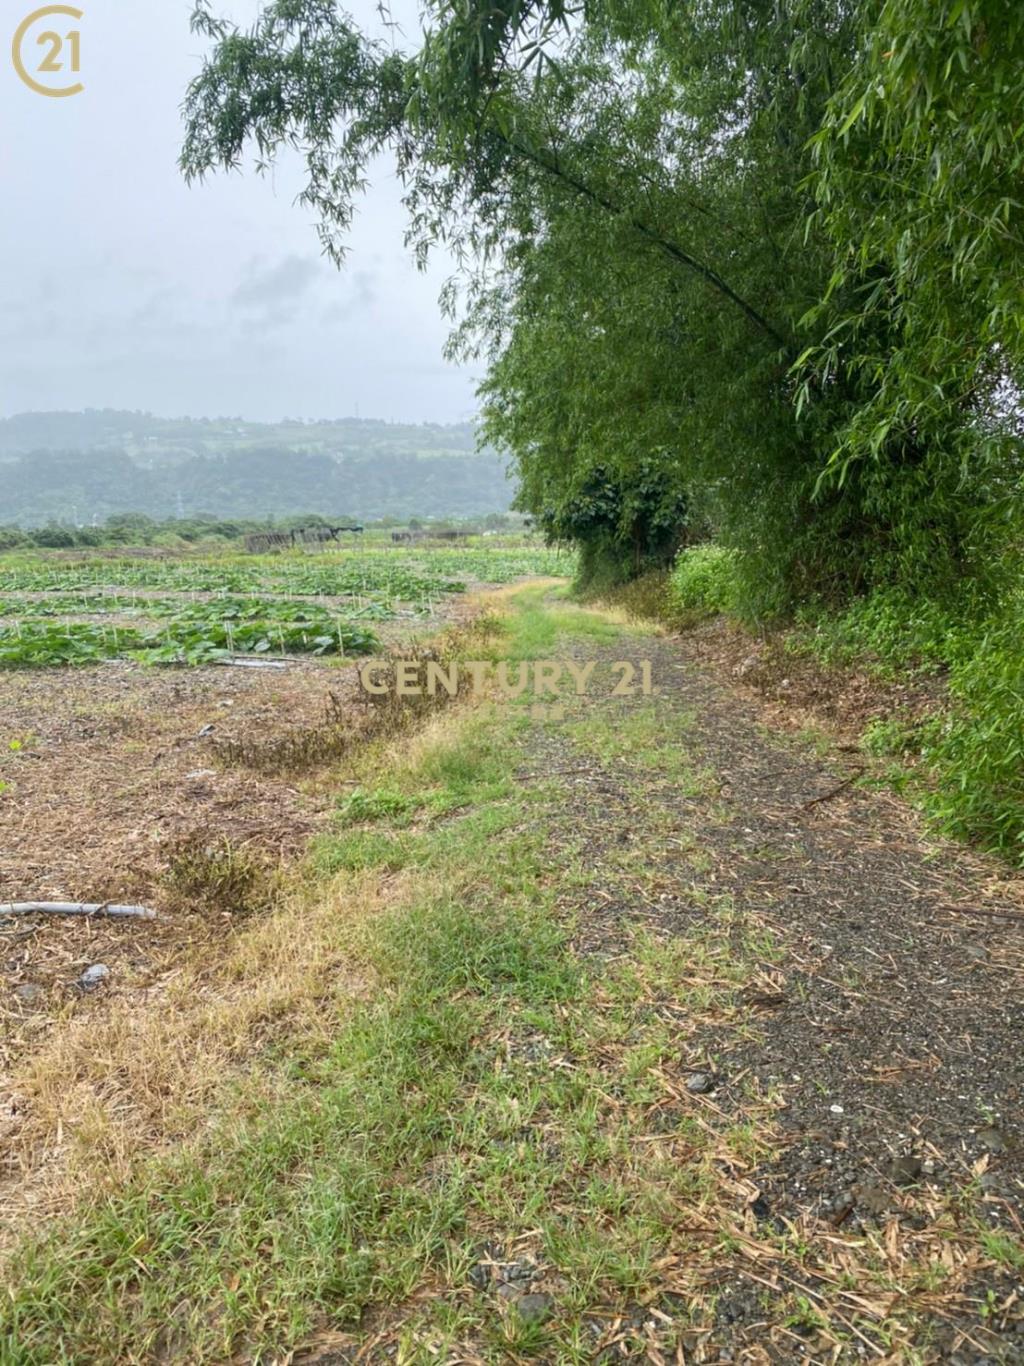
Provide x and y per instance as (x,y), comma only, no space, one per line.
(60,52)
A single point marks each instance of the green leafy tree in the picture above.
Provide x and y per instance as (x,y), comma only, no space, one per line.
(672,210)
(917,174)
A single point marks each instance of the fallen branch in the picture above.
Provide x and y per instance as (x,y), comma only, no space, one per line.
(834,792)
(982,910)
(75,908)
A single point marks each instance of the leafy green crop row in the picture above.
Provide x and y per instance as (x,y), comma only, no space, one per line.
(185,609)
(240,617)
(368,575)
(403,575)
(42,644)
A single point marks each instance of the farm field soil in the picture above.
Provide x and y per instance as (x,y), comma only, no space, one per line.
(112,764)
(631,1032)
(103,765)
(107,770)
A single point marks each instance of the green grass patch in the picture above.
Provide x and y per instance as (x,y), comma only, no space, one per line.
(535,629)
(360,807)
(649,736)
(360,849)
(391,1157)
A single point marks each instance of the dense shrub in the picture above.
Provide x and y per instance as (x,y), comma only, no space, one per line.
(703,583)
(970,749)
(978,755)
(642,599)
(895,628)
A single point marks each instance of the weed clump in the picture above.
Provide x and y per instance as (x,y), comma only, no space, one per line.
(297,750)
(643,599)
(217,875)
(361,807)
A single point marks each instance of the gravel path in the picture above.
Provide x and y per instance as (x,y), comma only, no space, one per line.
(891,1025)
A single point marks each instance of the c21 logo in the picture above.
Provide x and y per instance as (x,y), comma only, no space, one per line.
(60,51)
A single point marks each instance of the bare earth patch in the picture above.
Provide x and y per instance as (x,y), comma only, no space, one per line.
(115,760)
(796,690)
(107,772)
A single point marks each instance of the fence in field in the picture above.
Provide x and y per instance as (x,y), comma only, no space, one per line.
(408,537)
(258,543)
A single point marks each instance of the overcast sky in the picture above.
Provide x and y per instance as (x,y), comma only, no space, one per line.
(126,289)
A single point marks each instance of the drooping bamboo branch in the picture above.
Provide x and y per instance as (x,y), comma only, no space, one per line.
(664,244)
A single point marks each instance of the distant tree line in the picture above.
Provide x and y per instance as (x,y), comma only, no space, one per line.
(136,529)
(160,438)
(80,487)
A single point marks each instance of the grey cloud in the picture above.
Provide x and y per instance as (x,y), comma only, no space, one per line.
(361,295)
(278,289)
(204,298)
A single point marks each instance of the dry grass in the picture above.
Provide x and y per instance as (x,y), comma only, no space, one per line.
(147,1064)
(143,1069)
(115,761)
(352,721)
(113,797)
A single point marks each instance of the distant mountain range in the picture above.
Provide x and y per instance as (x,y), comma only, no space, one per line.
(79,468)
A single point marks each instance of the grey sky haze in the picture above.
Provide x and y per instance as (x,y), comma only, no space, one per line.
(125,288)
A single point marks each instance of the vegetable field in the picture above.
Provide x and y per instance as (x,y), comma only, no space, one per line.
(189,611)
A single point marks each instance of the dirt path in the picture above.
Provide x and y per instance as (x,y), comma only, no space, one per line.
(889,1031)
(624,1029)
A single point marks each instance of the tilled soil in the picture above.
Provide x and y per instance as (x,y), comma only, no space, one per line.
(115,759)
(115,767)
(891,1027)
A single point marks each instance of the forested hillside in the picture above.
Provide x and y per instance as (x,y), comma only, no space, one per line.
(84,487)
(161,439)
(106,463)
(748,272)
